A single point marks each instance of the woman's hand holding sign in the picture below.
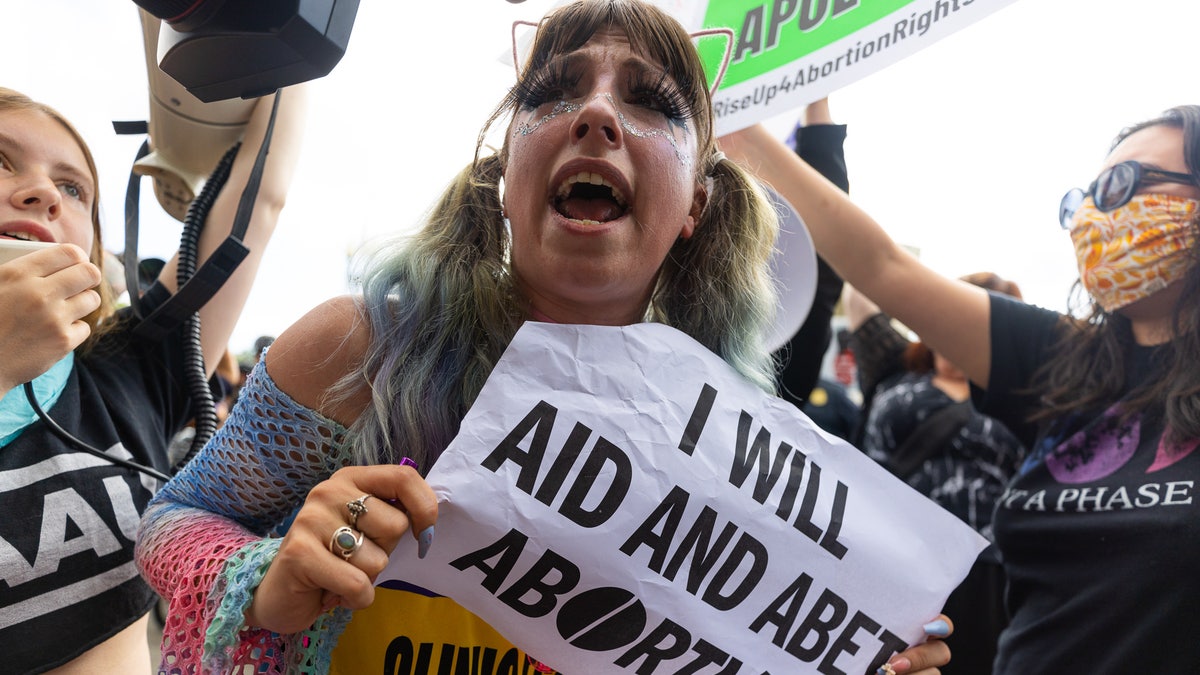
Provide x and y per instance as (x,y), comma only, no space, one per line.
(339,543)
(923,659)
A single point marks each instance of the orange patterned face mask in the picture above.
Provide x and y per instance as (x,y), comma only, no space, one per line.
(1134,251)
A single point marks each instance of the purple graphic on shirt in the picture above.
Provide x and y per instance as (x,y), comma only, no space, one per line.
(1106,446)
(1097,451)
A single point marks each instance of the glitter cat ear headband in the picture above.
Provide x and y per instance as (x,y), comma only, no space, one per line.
(726,32)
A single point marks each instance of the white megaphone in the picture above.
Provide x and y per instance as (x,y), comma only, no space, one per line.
(794,269)
(188,137)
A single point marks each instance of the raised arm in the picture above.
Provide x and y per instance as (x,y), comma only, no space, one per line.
(219,316)
(950,316)
(818,141)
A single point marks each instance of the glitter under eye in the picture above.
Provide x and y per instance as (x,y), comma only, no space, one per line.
(633,130)
(525,128)
(561,107)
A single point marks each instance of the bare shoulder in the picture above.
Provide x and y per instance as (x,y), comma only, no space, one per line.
(318,350)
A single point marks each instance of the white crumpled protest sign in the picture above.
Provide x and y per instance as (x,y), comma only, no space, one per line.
(619,499)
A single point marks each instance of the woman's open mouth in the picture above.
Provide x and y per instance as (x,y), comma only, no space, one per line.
(589,198)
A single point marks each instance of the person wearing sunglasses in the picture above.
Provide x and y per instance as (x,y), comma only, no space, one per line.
(1100,528)
(1115,187)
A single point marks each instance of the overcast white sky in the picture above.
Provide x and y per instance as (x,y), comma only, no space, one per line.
(962,150)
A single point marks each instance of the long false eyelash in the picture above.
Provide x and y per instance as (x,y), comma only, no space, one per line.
(669,95)
(537,89)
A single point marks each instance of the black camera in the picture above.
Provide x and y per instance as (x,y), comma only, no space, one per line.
(220,49)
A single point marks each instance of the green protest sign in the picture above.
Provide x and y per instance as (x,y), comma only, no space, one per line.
(773,34)
(787,53)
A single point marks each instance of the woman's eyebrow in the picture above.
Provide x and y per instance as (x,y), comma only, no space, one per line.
(576,59)
(571,60)
(643,65)
(1153,166)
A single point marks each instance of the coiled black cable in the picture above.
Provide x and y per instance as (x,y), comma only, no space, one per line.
(80,445)
(193,352)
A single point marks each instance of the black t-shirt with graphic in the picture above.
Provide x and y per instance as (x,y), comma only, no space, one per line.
(67,535)
(1099,531)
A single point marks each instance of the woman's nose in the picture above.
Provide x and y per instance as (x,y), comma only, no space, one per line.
(38,192)
(598,119)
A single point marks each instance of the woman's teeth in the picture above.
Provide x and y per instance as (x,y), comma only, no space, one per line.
(23,236)
(586,177)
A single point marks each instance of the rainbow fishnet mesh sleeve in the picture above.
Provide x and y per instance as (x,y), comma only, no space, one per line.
(205,540)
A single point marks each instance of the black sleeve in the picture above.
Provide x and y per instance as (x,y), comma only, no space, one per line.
(821,146)
(1022,340)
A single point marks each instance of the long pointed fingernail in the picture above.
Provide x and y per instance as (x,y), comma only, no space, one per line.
(424,541)
(938,628)
(405,461)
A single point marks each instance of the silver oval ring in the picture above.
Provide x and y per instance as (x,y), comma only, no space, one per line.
(345,542)
(357,507)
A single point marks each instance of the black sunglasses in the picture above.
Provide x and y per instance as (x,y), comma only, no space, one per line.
(1115,186)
